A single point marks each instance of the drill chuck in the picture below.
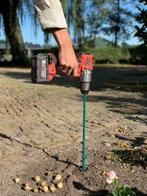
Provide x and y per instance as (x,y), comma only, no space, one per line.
(86,67)
(85,81)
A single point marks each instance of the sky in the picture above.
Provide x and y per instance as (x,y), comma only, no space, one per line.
(39,37)
(30,36)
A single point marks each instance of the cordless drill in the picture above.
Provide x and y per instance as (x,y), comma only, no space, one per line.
(43,71)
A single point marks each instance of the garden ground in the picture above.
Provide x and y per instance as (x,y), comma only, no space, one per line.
(41,131)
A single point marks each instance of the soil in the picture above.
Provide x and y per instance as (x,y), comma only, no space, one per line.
(41,131)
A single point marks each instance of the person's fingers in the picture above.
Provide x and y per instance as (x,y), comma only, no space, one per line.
(66,69)
(63,68)
(69,71)
(75,72)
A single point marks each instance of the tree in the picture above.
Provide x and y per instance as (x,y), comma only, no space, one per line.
(141,30)
(142,19)
(13,10)
(95,18)
(119,20)
(110,17)
(8,10)
(74,13)
(77,11)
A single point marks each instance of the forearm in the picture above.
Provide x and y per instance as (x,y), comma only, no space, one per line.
(52,20)
(62,37)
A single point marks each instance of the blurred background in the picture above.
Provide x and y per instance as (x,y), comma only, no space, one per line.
(115,31)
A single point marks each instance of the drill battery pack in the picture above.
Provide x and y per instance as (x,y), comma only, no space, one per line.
(43,68)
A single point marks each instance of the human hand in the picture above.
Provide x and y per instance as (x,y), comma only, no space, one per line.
(68,63)
(67,60)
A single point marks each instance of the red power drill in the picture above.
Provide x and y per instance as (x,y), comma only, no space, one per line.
(44,69)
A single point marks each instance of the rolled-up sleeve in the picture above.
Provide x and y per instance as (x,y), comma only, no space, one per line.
(50,13)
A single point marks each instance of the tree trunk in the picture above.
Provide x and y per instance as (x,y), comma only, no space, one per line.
(117,26)
(12,30)
(116,36)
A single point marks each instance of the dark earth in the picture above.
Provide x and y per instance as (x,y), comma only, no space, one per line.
(41,131)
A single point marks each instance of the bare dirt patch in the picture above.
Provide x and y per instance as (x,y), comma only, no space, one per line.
(41,131)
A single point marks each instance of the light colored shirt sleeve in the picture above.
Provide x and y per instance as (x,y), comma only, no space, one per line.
(50,13)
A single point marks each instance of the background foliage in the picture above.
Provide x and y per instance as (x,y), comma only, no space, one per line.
(87,19)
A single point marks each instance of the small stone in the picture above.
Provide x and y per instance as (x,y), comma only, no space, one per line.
(60,185)
(37,178)
(35,190)
(52,188)
(17,180)
(45,189)
(27,187)
(43,183)
(58,177)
